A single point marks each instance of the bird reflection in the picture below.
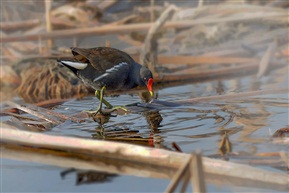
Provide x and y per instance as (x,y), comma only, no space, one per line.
(101,118)
(88,177)
(153,118)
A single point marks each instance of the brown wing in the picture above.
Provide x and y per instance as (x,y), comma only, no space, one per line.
(102,58)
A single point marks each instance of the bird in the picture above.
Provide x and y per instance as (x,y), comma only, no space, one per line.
(107,68)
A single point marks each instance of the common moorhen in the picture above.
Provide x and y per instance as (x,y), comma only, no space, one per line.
(107,68)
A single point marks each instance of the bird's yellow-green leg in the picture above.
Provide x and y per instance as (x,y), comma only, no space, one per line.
(98,110)
(98,95)
(120,107)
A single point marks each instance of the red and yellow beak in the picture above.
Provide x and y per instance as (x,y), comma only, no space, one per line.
(150,86)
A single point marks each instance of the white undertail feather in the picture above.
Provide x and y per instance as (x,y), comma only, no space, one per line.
(77,65)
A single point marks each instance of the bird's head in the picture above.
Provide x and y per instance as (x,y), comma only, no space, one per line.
(147,78)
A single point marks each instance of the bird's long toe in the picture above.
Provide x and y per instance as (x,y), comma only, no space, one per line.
(120,107)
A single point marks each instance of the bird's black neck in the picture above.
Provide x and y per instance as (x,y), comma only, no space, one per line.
(135,75)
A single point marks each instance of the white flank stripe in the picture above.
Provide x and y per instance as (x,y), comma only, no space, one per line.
(77,65)
(111,70)
(100,77)
(116,67)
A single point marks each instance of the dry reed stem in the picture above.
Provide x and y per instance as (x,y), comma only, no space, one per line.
(103,5)
(285,158)
(53,113)
(200,3)
(45,114)
(192,74)
(128,28)
(48,81)
(123,20)
(33,112)
(197,173)
(48,4)
(178,176)
(196,60)
(265,61)
(236,96)
(185,182)
(152,10)
(145,155)
(188,74)
(148,54)
(18,25)
(52,102)
(281,141)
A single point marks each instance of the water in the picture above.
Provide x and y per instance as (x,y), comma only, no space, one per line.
(249,122)
(48,179)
